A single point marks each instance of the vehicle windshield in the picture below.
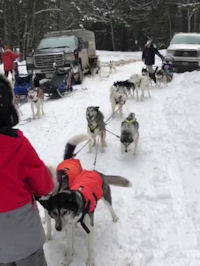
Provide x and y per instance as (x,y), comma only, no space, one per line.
(185,39)
(57,42)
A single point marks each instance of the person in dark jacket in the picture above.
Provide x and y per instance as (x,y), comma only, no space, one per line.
(148,55)
(8,57)
(23,177)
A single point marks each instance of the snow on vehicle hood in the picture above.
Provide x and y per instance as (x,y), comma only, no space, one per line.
(184,47)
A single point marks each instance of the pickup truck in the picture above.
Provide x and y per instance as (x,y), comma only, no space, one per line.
(61,50)
(184,50)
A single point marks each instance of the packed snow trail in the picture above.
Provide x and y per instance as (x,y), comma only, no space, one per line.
(160,214)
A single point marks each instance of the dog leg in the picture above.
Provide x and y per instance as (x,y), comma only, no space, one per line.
(103,142)
(92,143)
(111,210)
(48,226)
(113,107)
(38,109)
(70,244)
(90,261)
(149,93)
(32,109)
(136,144)
(142,95)
(42,107)
(120,111)
(89,222)
(137,96)
(107,199)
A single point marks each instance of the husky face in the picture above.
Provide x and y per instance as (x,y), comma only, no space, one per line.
(92,112)
(144,72)
(120,95)
(33,95)
(64,207)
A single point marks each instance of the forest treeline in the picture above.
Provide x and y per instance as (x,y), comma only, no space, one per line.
(123,25)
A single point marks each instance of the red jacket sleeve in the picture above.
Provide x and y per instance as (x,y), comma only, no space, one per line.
(14,55)
(37,176)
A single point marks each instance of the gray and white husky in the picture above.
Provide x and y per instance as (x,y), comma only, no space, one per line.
(95,126)
(129,133)
(68,207)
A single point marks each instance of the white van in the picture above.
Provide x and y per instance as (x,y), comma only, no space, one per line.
(184,49)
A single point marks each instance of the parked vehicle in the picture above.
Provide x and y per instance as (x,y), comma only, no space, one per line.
(184,48)
(74,49)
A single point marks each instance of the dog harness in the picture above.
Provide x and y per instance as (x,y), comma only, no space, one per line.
(130,121)
(71,167)
(92,129)
(89,183)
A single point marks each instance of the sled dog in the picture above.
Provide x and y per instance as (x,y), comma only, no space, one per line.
(129,133)
(36,98)
(161,77)
(152,75)
(127,85)
(142,84)
(95,126)
(118,97)
(77,197)
(112,68)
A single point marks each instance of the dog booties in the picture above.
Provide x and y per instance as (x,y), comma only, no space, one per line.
(71,167)
(89,183)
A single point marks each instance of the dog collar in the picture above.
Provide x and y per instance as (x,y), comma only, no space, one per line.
(92,129)
(130,121)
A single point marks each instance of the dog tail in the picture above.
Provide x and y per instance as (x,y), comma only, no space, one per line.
(117,180)
(155,70)
(72,143)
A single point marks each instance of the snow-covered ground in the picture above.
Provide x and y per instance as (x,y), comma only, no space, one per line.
(159,216)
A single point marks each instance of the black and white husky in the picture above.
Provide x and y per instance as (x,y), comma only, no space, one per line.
(129,133)
(68,207)
(127,85)
(95,126)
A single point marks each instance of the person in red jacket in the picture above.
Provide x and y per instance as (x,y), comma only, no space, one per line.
(23,177)
(8,57)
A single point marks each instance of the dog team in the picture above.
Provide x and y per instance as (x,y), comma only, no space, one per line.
(77,191)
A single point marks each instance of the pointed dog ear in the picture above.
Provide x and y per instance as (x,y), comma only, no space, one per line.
(44,201)
(97,108)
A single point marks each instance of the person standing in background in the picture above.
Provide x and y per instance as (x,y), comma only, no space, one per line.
(8,57)
(148,55)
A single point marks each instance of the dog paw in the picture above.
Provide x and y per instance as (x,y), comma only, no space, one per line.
(67,261)
(48,239)
(115,219)
(90,263)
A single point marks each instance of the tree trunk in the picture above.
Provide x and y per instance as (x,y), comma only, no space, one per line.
(112,36)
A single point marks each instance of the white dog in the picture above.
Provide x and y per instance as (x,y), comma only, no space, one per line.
(36,98)
(118,97)
(142,84)
(112,68)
